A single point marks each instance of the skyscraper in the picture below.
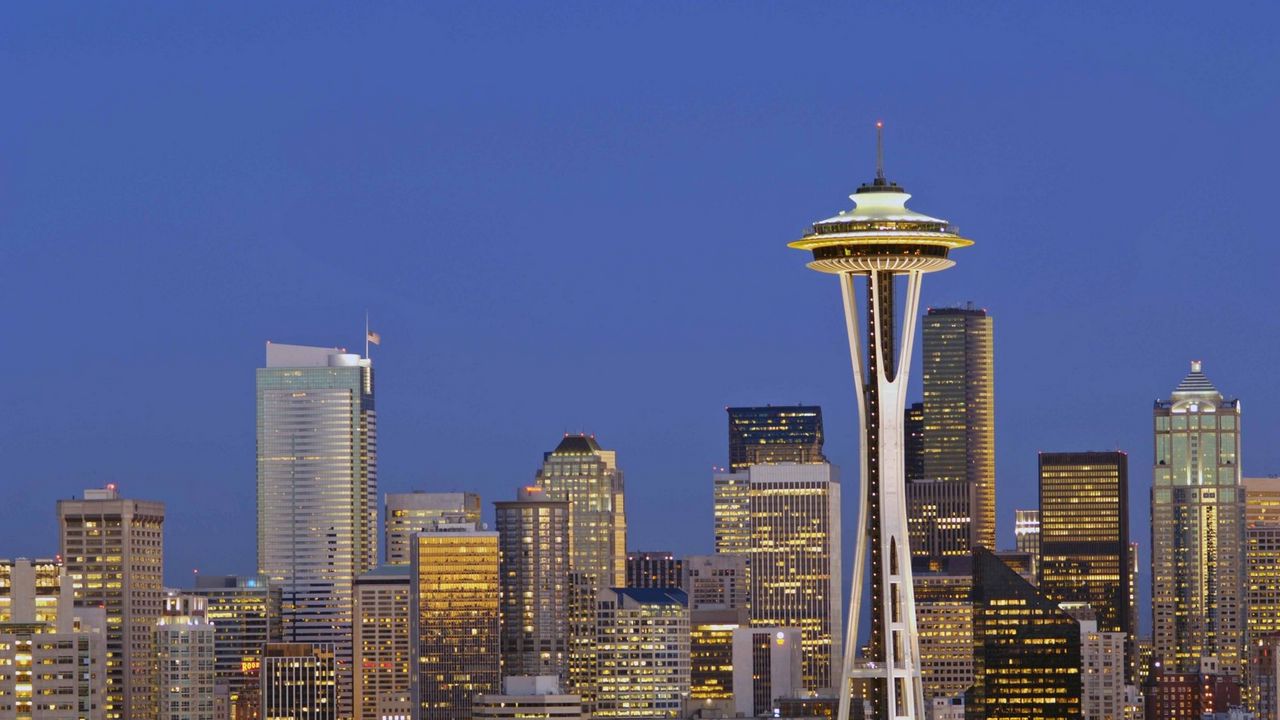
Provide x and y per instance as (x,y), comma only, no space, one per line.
(795,560)
(299,682)
(1197,534)
(879,240)
(959,408)
(587,477)
(455,617)
(317,491)
(384,661)
(52,655)
(245,612)
(114,553)
(642,649)
(1084,534)
(774,433)
(414,512)
(533,539)
(654,569)
(1262,534)
(185,659)
(1026,648)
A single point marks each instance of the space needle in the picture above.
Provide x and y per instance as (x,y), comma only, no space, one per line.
(869,248)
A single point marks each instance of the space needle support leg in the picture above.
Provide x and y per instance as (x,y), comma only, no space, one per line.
(848,295)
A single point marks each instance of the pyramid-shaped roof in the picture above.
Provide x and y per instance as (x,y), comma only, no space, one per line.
(1195,383)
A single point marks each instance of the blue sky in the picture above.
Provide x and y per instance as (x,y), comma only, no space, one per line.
(574,216)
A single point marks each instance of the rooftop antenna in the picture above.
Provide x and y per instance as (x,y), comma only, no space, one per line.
(879,150)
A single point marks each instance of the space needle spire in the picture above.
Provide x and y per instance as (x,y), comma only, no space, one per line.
(869,249)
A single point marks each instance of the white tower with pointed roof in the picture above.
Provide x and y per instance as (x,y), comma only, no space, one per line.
(869,248)
(1198,571)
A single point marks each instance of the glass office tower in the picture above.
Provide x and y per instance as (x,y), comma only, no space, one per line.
(774,433)
(1197,530)
(1026,648)
(1084,535)
(317,492)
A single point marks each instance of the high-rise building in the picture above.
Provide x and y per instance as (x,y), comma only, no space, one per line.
(533,536)
(1026,533)
(455,616)
(642,653)
(774,433)
(384,660)
(732,514)
(114,553)
(939,521)
(186,669)
(1084,535)
(767,665)
(1026,648)
(587,477)
(654,569)
(944,620)
(869,248)
(245,612)
(795,560)
(299,682)
(913,442)
(52,654)
(716,582)
(1262,535)
(528,697)
(317,492)
(959,408)
(414,512)
(1198,569)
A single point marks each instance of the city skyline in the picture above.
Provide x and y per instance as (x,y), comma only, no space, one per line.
(194,176)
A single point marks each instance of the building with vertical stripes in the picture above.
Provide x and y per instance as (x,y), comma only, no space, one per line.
(767,665)
(455,618)
(317,491)
(1198,555)
(795,560)
(299,682)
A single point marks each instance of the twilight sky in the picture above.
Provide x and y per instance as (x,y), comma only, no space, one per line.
(574,216)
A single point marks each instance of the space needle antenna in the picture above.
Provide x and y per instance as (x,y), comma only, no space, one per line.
(879,149)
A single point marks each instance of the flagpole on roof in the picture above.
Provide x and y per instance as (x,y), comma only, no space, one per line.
(366,334)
